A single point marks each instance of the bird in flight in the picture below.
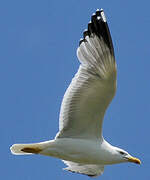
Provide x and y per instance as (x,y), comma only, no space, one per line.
(79,142)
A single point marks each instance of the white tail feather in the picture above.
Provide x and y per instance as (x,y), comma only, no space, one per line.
(21,149)
(17,149)
(34,148)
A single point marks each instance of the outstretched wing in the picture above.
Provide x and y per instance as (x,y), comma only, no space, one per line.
(93,87)
(91,170)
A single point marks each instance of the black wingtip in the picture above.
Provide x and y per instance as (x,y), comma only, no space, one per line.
(98,26)
(91,28)
(86,33)
(92,175)
(98,12)
(82,40)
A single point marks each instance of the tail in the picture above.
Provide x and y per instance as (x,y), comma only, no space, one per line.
(27,149)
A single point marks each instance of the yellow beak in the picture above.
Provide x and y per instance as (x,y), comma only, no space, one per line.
(134,160)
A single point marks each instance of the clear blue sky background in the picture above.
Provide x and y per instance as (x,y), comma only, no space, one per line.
(38,41)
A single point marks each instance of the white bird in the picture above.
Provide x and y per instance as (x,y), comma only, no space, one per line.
(79,142)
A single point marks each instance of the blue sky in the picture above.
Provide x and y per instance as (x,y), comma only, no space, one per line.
(38,42)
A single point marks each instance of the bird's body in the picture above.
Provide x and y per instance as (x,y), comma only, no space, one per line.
(79,142)
(80,151)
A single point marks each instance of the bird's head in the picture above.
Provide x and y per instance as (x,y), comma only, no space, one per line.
(125,156)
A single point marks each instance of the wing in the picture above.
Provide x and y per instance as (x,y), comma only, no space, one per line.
(93,87)
(91,170)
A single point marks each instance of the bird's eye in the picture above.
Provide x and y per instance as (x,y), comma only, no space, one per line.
(121,152)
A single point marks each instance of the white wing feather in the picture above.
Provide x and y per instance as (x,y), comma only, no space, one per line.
(91,170)
(91,90)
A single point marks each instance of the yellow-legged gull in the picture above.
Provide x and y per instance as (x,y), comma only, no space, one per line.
(79,142)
